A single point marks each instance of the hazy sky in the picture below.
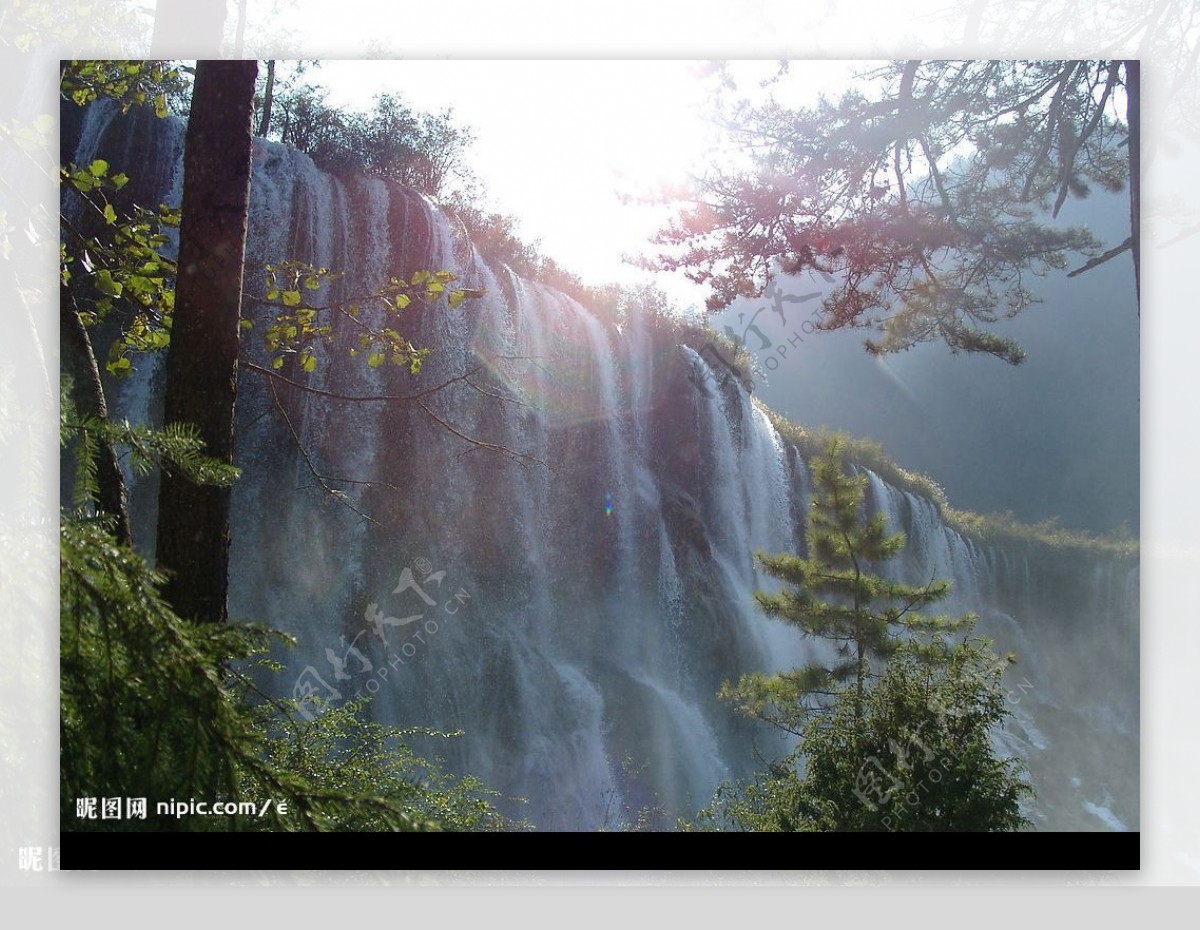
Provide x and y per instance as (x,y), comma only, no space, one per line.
(565,144)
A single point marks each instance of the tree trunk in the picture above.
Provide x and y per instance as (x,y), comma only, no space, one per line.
(1133,118)
(193,520)
(268,98)
(87,393)
(195,25)
(239,37)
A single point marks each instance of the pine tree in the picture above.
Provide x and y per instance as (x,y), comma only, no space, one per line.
(894,732)
(836,595)
(928,196)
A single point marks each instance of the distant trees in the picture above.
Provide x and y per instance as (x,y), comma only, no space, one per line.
(424,151)
(926,197)
(421,150)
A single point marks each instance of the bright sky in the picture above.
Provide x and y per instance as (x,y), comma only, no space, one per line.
(560,143)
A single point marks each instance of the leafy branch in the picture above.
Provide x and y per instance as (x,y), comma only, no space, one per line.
(175,447)
(299,325)
(128,82)
(125,269)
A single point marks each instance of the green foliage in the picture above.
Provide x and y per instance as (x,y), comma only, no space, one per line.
(1046,535)
(177,447)
(116,263)
(152,706)
(155,707)
(620,815)
(895,733)
(298,325)
(927,196)
(423,151)
(834,596)
(916,757)
(131,83)
(146,708)
(736,359)
(121,267)
(366,776)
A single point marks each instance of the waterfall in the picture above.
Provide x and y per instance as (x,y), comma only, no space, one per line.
(573,604)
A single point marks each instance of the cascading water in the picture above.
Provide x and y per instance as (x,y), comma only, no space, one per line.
(572,594)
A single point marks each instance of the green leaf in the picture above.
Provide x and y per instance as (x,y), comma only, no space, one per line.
(277,363)
(110,215)
(291,298)
(98,168)
(106,285)
(119,367)
(245,324)
(308,362)
(375,359)
(160,106)
(402,301)
(456,298)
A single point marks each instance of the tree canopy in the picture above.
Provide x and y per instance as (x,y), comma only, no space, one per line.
(914,755)
(928,198)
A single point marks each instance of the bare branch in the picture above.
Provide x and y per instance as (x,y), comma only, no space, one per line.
(352,398)
(521,457)
(1101,259)
(322,480)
